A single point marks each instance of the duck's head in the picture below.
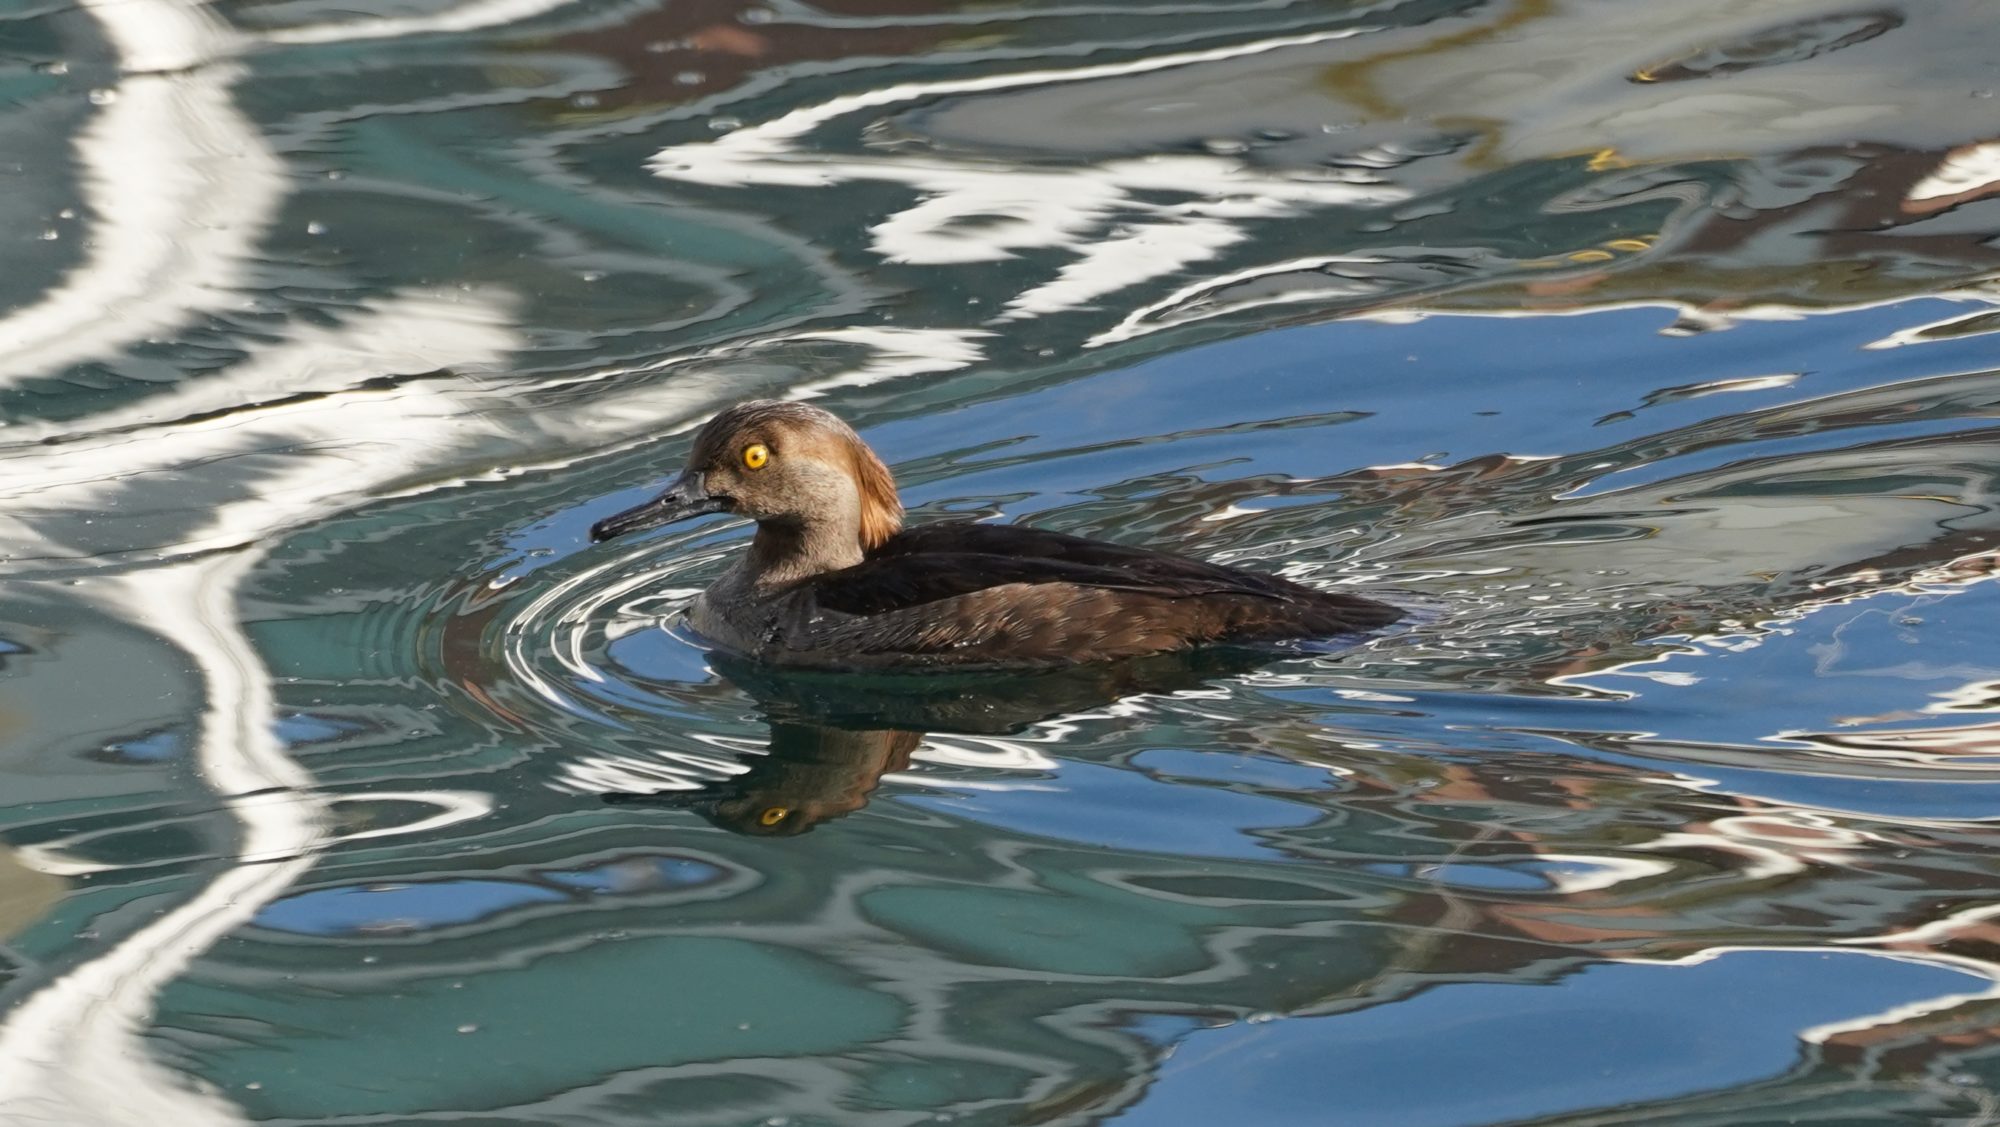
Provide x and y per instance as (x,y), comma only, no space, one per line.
(794,469)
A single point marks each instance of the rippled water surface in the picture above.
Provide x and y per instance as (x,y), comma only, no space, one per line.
(1643,350)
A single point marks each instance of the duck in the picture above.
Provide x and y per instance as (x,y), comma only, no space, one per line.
(833,580)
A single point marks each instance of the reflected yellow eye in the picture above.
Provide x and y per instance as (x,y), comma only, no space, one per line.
(755,456)
(775,814)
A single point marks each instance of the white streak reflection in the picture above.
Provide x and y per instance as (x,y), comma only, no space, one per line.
(974,211)
(331,448)
(897,353)
(453,807)
(162,36)
(179,187)
(75,1046)
(1199,300)
(1896,1015)
(465,17)
(1967,171)
(1153,249)
(764,154)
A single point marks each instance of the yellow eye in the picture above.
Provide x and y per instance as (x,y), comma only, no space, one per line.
(775,814)
(756,455)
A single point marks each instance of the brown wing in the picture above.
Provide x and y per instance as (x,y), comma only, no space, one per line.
(967,594)
(941,561)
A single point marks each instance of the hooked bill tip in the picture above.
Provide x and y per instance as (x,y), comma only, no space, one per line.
(617,524)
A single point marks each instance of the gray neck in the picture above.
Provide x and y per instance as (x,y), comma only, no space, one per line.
(785,552)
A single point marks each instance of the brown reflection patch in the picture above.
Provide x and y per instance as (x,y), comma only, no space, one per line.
(691,48)
(26,894)
(1786,43)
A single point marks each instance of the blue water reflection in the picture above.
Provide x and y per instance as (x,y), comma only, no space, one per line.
(393,908)
(1604,1037)
(1126,810)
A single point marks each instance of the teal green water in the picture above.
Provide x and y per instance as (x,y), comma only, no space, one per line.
(1642,350)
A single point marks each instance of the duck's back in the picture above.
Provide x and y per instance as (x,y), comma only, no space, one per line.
(963,594)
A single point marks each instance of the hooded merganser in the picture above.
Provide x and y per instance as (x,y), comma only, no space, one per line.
(833,580)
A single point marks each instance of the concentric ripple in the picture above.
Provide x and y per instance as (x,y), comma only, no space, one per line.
(587,651)
(593,653)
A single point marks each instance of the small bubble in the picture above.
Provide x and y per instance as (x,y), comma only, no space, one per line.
(56,67)
(66,213)
(743,1026)
(51,235)
(690,77)
(592,275)
(315,228)
(1225,146)
(1962,1079)
(254,1086)
(1909,620)
(757,15)
(659,47)
(371,958)
(103,96)
(725,124)
(469,1027)
(1261,1018)
(584,101)
(335,174)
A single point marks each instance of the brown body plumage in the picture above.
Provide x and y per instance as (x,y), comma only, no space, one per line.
(832,580)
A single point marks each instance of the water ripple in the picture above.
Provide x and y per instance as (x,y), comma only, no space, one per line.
(1627,353)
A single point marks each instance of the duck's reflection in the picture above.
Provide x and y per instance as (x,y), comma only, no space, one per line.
(833,736)
(813,773)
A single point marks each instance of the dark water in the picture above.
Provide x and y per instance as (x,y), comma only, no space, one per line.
(1643,349)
